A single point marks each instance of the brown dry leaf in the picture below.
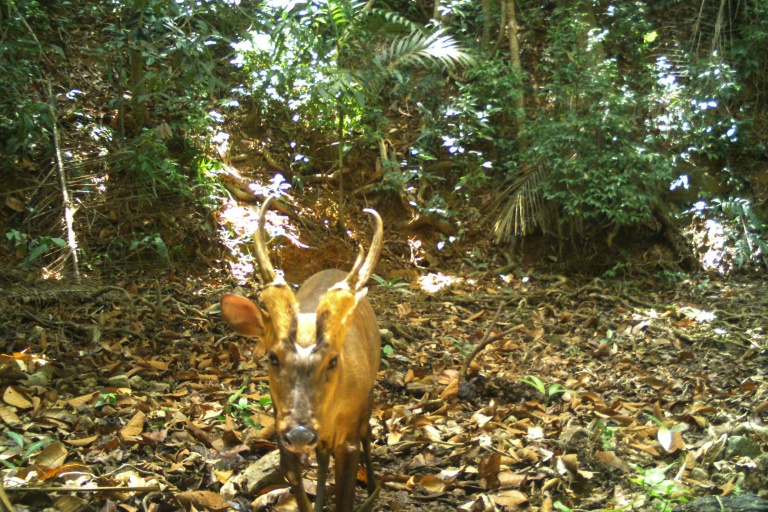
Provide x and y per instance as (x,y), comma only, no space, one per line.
(451,390)
(678,443)
(612,460)
(82,400)
(510,498)
(82,442)
(53,455)
(710,450)
(155,364)
(546,505)
(433,483)
(70,504)
(510,479)
(489,471)
(476,315)
(134,427)
(728,487)
(646,448)
(17,398)
(571,462)
(393,438)
(9,416)
(528,455)
(223,476)
(534,334)
(14,204)
(202,500)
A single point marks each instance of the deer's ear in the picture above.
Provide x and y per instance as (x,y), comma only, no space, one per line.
(245,317)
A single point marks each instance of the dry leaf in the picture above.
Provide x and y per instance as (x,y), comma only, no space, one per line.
(510,498)
(52,455)
(16,398)
(202,499)
(8,415)
(134,427)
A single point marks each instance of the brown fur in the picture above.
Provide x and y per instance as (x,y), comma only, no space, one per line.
(307,392)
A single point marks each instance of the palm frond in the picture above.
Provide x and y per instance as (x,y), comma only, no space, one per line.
(422,49)
(520,208)
(397,19)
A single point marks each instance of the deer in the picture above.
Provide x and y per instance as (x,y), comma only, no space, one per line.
(323,348)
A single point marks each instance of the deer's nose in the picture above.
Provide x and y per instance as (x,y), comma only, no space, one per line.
(300,438)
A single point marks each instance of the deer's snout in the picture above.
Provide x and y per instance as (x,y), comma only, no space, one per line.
(300,439)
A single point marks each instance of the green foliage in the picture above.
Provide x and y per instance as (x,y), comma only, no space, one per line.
(607,436)
(748,50)
(25,121)
(106,399)
(464,348)
(239,407)
(547,392)
(153,242)
(165,52)
(476,125)
(662,491)
(326,66)
(599,167)
(613,137)
(25,450)
(149,159)
(396,285)
(32,248)
(208,188)
(731,232)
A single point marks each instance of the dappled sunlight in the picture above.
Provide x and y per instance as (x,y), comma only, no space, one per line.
(238,226)
(436,281)
(698,315)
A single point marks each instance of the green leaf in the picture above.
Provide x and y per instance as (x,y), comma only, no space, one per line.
(17,438)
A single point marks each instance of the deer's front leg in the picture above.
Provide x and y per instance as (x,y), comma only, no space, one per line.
(292,468)
(347,457)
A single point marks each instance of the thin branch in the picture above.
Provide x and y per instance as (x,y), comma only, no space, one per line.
(74,488)
(487,339)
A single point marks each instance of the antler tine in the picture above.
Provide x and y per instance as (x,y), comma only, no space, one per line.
(266,269)
(360,274)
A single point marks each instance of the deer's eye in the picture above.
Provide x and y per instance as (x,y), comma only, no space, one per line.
(333,362)
(274,361)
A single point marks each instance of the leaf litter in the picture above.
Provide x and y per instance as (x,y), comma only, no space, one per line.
(592,395)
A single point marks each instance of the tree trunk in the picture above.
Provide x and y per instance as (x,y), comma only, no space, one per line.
(485,39)
(514,57)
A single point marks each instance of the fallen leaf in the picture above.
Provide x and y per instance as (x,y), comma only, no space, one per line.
(16,398)
(134,427)
(52,455)
(202,499)
(510,498)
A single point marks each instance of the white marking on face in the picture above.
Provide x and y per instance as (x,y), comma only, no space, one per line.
(304,353)
(305,332)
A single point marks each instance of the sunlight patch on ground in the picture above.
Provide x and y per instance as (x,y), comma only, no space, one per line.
(238,224)
(698,314)
(433,283)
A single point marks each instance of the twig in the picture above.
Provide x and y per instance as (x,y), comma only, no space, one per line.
(69,209)
(75,488)
(487,339)
(4,497)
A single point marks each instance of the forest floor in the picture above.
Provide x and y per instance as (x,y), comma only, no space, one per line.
(624,392)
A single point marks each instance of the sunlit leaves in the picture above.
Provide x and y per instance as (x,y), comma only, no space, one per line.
(424,50)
